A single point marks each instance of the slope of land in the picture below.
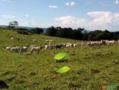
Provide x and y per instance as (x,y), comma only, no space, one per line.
(90,66)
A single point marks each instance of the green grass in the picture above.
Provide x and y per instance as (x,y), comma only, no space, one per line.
(90,66)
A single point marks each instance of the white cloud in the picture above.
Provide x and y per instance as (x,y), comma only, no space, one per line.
(69,21)
(23,21)
(94,20)
(101,19)
(70,4)
(52,6)
(116,1)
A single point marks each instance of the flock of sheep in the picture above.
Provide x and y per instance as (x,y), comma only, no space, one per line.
(102,42)
(36,49)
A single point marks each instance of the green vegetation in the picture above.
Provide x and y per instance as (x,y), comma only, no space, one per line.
(62,70)
(82,34)
(61,57)
(90,67)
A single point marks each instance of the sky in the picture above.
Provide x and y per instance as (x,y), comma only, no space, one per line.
(88,14)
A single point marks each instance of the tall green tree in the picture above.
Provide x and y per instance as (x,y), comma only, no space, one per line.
(65,32)
(13,24)
(51,31)
(78,33)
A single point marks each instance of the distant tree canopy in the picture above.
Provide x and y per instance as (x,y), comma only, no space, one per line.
(100,35)
(64,32)
(23,31)
(13,24)
(82,34)
(37,30)
(29,31)
(77,34)
(115,35)
(51,31)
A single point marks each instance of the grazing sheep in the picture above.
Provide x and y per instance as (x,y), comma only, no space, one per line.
(13,49)
(46,47)
(8,48)
(94,43)
(17,49)
(23,49)
(68,45)
(12,38)
(35,49)
(75,45)
(110,42)
(59,46)
(49,47)
(102,42)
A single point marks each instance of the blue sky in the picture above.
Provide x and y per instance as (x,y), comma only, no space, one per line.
(90,14)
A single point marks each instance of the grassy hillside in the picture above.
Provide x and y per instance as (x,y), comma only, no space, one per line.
(90,66)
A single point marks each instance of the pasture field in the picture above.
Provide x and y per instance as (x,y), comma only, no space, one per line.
(91,67)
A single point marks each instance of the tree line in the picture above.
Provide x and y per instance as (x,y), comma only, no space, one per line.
(82,34)
(14,25)
(77,34)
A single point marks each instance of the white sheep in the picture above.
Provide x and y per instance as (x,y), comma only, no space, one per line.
(35,49)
